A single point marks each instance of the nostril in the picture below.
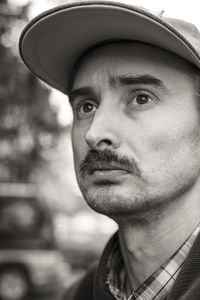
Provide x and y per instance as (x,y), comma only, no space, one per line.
(105,142)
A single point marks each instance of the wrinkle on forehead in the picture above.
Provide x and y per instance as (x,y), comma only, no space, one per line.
(109,62)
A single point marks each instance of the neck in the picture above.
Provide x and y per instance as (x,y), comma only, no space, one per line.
(146,246)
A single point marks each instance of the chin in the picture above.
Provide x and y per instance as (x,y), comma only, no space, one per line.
(138,199)
(122,203)
(116,202)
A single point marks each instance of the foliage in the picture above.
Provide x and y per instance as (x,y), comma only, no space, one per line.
(28,123)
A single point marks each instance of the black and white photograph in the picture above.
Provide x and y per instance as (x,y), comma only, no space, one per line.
(99,150)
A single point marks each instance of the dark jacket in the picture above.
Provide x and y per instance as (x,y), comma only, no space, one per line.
(92,285)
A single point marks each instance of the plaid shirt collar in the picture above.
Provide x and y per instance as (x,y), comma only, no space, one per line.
(158,285)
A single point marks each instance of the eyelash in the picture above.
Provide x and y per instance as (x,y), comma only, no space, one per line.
(136,93)
(77,106)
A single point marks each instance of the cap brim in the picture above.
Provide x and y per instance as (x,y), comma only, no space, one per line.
(51,44)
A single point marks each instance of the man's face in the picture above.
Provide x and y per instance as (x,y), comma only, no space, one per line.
(136,134)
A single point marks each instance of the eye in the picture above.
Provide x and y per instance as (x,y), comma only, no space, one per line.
(142,99)
(85,108)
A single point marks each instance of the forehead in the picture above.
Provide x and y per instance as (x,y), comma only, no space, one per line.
(130,58)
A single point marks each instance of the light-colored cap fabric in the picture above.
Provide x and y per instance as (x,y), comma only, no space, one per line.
(52,43)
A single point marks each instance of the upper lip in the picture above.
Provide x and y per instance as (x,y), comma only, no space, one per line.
(104,167)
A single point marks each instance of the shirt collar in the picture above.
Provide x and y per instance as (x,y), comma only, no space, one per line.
(158,285)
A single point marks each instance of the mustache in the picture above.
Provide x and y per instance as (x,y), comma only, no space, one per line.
(101,158)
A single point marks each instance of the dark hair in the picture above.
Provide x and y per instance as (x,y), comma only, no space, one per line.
(197,93)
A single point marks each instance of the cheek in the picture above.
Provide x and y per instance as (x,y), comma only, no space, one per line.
(164,134)
(78,144)
(172,140)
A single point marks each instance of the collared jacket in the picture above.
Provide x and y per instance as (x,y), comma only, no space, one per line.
(92,286)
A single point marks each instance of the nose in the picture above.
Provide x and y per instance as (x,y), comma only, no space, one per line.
(103,131)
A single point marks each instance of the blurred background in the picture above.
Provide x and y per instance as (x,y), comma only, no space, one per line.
(48,236)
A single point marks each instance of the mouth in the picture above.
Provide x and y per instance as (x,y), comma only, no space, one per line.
(106,169)
(107,175)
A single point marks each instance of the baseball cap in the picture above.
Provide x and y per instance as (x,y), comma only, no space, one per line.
(51,44)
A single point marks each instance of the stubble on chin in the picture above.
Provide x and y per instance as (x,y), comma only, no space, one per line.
(122,204)
(135,203)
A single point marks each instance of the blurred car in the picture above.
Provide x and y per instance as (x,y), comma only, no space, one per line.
(30,263)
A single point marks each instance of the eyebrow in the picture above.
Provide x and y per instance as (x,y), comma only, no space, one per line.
(82,91)
(129,79)
(121,80)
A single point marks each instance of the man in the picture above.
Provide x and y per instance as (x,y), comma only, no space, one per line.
(133,83)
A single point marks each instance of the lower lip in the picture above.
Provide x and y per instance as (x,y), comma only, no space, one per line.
(108,174)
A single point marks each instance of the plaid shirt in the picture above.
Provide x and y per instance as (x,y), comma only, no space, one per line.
(158,285)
